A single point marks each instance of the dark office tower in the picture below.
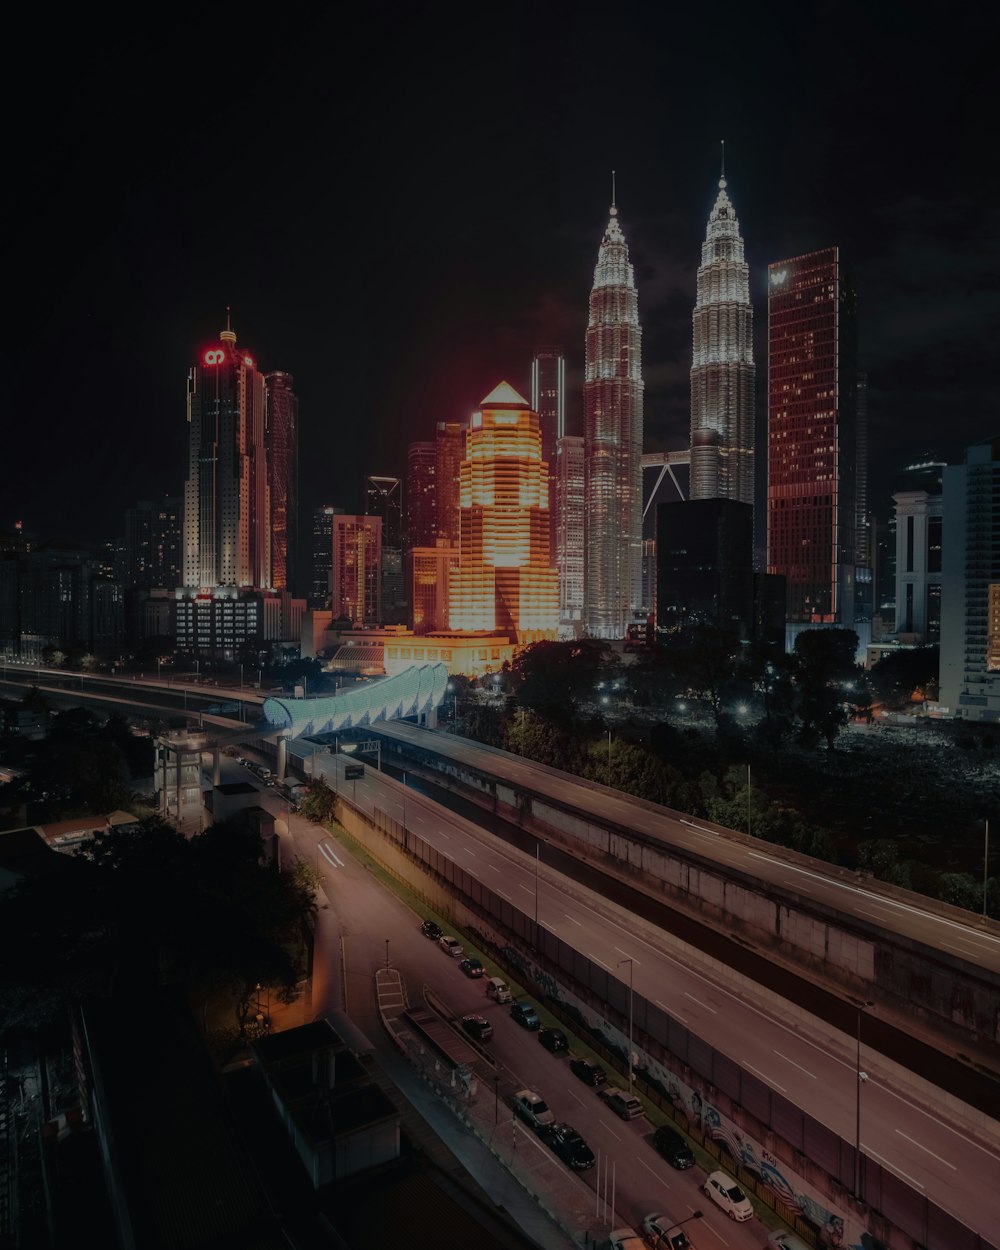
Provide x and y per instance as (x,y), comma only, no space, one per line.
(812,436)
(612,429)
(152,547)
(283,477)
(722,366)
(227,532)
(704,565)
(421,514)
(322,555)
(384,499)
(570,531)
(449,454)
(548,399)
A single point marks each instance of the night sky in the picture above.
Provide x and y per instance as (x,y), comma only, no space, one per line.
(400,201)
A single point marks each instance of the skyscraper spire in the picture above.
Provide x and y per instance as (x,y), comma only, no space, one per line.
(722,366)
(613,197)
(228,335)
(612,408)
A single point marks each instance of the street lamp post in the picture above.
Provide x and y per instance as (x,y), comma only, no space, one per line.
(631,970)
(861,1078)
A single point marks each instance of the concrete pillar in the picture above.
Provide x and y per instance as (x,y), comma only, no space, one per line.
(282,758)
(216,768)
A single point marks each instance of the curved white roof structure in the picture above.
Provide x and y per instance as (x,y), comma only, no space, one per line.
(415,690)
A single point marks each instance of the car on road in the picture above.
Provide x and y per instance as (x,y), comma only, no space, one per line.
(725,1193)
(478,1027)
(471,967)
(533,1109)
(669,1143)
(451,946)
(553,1040)
(661,1232)
(779,1240)
(625,1239)
(525,1015)
(590,1073)
(627,1106)
(567,1143)
(431,929)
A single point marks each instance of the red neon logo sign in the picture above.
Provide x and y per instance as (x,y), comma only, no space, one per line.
(215,357)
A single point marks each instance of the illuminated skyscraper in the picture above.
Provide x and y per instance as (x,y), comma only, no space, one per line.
(421,514)
(570,530)
(283,477)
(612,417)
(356,580)
(449,454)
(812,436)
(548,398)
(722,367)
(505,580)
(227,530)
(384,499)
(322,554)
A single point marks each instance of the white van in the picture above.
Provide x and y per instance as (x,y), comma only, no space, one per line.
(498,990)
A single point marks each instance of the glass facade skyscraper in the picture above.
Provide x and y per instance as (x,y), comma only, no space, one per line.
(612,417)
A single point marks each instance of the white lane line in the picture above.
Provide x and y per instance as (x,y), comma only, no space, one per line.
(896,1171)
(419,820)
(869,894)
(796,885)
(506,896)
(493,866)
(446,836)
(331,857)
(764,1077)
(796,1065)
(626,954)
(601,962)
(877,915)
(924,1148)
(700,1003)
(698,828)
(447,856)
(527,888)
(656,1175)
(605,1124)
(577,1097)
(962,950)
(573,918)
(468,852)
(705,1224)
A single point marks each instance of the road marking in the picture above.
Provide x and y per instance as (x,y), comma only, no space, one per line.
(627,955)
(698,828)
(468,852)
(577,1097)
(700,1003)
(796,885)
(796,1065)
(573,918)
(961,950)
(924,1148)
(601,962)
(764,1077)
(605,1124)
(447,856)
(420,820)
(525,887)
(447,836)
(493,866)
(877,915)
(892,1167)
(705,1224)
(665,1184)
(330,855)
(506,896)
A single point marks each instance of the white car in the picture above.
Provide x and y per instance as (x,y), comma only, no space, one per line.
(451,947)
(533,1109)
(725,1193)
(625,1239)
(662,1233)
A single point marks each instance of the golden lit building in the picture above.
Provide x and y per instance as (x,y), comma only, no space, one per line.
(428,570)
(505,580)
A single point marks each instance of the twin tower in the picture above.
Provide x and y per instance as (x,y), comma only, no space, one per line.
(722,408)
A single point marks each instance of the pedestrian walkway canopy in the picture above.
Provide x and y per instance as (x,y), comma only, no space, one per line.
(414,692)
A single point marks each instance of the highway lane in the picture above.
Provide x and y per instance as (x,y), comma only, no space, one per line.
(817,1071)
(976,940)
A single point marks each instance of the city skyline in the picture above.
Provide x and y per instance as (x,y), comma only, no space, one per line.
(139,275)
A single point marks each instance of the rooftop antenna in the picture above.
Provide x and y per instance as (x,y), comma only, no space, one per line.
(723,158)
(613,200)
(229,320)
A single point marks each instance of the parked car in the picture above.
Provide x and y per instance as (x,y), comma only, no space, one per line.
(553,1040)
(661,1232)
(567,1143)
(673,1147)
(590,1073)
(451,946)
(627,1106)
(431,929)
(478,1027)
(498,989)
(525,1015)
(471,967)
(725,1193)
(625,1239)
(779,1240)
(533,1109)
